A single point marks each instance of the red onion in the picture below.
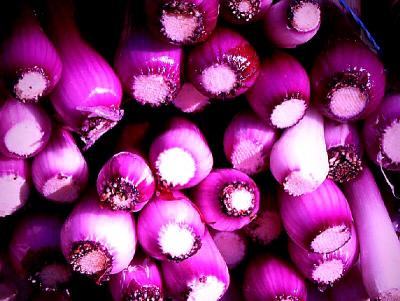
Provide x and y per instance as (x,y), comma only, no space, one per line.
(150,70)
(189,100)
(248,142)
(60,172)
(379,245)
(170,227)
(180,156)
(281,93)
(96,241)
(35,252)
(228,199)
(24,129)
(289,23)
(182,22)
(140,281)
(348,81)
(244,11)
(14,184)
(298,159)
(125,182)
(231,245)
(343,144)
(89,94)
(318,221)
(224,66)
(29,61)
(268,278)
(8,291)
(203,276)
(381,131)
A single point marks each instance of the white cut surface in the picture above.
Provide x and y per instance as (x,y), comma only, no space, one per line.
(288,113)
(176,240)
(247,156)
(150,89)
(24,138)
(331,239)
(298,183)
(218,79)
(242,199)
(14,193)
(347,102)
(391,142)
(61,188)
(176,166)
(179,27)
(328,271)
(306,17)
(210,289)
(30,85)
(93,262)
(244,6)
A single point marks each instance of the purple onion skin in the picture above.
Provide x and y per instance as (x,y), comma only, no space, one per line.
(207,197)
(163,210)
(228,48)
(113,231)
(89,94)
(374,129)
(60,172)
(140,54)
(134,169)
(14,184)
(348,56)
(25,129)
(307,262)
(268,278)
(231,13)
(305,217)
(207,9)
(189,100)
(141,276)
(185,135)
(279,32)
(208,262)
(350,287)
(345,150)
(248,142)
(379,245)
(281,78)
(29,49)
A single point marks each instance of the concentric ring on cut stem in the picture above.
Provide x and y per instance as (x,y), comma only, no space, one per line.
(305,15)
(151,89)
(328,271)
(31,85)
(391,142)
(237,199)
(331,239)
(288,113)
(219,79)
(205,288)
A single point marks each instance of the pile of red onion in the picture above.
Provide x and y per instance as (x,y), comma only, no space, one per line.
(199,150)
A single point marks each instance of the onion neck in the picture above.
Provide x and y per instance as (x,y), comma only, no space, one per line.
(345,163)
(244,10)
(119,194)
(30,84)
(143,293)
(230,200)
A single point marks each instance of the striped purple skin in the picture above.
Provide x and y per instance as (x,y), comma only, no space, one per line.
(282,79)
(348,64)
(269,278)
(319,221)
(88,97)
(28,51)
(350,287)
(198,15)
(380,134)
(325,269)
(244,11)
(149,69)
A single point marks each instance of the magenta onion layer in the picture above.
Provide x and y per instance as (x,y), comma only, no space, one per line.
(248,142)
(60,172)
(348,81)
(24,129)
(244,11)
(344,147)
(224,66)
(381,134)
(189,100)
(180,156)
(299,160)
(269,278)
(14,184)
(149,69)
(170,227)
(97,241)
(125,182)
(325,269)
(228,199)
(379,245)
(232,245)
(182,22)
(35,252)
(89,94)
(289,23)
(281,93)
(319,221)
(140,281)
(29,60)
(203,276)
